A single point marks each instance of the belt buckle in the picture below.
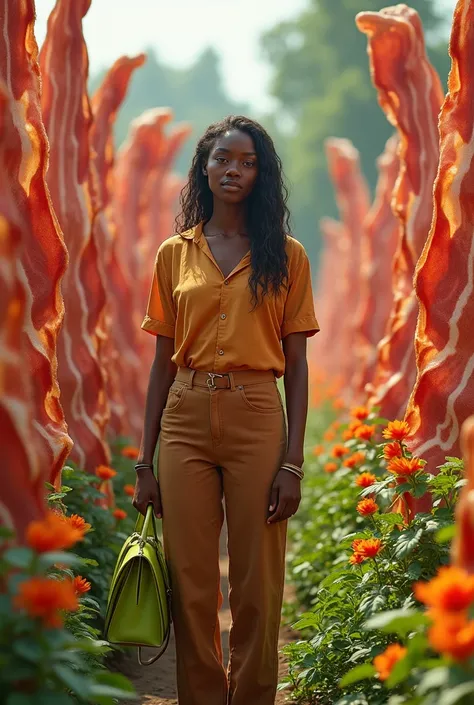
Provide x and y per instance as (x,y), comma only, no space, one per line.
(210,382)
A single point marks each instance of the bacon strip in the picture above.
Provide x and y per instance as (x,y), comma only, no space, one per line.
(67,117)
(33,259)
(352,196)
(444,392)
(410,93)
(462,550)
(113,338)
(379,243)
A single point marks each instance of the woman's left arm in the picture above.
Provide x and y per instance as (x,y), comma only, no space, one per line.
(286,489)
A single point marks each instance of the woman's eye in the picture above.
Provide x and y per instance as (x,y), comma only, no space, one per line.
(249,164)
(220,159)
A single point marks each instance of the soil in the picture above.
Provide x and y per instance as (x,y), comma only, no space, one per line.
(156,684)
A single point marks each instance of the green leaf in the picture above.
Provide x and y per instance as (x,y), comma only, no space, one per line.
(117,680)
(436,678)
(28,650)
(20,557)
(399,622)
(52,557)
(407,542)
(359,673)
(454,695)
(6,532)
(446,534)
(414,570)
(73,681)
(390,518)
(308,619)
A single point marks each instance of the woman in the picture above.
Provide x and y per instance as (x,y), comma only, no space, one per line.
(231,305)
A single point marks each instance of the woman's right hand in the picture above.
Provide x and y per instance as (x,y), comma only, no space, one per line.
(147,490)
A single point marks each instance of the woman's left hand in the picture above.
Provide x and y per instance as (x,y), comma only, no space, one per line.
(285,496)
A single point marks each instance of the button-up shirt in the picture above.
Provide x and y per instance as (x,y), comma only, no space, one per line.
(210,316)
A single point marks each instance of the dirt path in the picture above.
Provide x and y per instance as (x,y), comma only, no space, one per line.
(156,685)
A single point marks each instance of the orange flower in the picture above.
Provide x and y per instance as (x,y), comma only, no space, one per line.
(79,522)
(365,480)
(366,507)
(364,432)
(354,424)
(339,450)
(129,489)
(329,435)
(119,514)
(44,597)
(452,590)
(130,452)
(317,450)
(105,473)
(53,533)
(347,435)
(335,425)
(368,548)
(405,466)
(81,585)
(452,634)
(392,450)
(354,459)
(338,404)
(360,412)
(385,662)
(396,431)
(356,558)
(330,467)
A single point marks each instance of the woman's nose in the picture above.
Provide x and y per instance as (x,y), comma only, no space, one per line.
(232,170)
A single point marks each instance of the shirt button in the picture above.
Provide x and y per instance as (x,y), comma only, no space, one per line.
(226,283)
(221,352)
(223,316)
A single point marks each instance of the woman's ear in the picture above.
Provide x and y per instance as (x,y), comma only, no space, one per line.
(204,170)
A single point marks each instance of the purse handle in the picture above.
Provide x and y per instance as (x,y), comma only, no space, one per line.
(142,525)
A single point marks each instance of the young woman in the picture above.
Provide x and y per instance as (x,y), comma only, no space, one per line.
(231,305)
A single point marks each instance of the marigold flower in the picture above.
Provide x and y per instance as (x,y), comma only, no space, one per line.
(330,467)
(452,634)
(365,480)
(396,431)
(356,558)
(105,473)
(368,548)
(338,404)
(392,450)
(53,533)
(354,459)
(360,412)
(451,590)
(129,490)
(335,425)
(385,662)
(405,466)
(339,450)
(81,585)
(329,435)
(354,424)
(347,435)
(130,452)
(44,598)
(366,507)
(364,432)
(119,514)
(79,522)
(317,450)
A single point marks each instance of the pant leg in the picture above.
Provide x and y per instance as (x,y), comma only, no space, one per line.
(253,444)
(191,489)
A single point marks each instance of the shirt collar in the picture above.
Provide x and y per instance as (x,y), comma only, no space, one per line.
(193,233)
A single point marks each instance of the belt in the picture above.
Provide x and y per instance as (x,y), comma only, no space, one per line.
(225,380)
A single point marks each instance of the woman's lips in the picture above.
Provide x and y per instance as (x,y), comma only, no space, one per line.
(231,186)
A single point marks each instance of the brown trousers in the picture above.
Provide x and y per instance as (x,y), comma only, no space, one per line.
(227,441)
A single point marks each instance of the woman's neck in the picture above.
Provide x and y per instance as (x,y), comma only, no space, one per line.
(228,218)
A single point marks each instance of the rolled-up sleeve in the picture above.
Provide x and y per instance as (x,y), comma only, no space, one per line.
(160,316)
(299,315)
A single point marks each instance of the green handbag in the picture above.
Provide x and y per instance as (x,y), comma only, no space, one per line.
(138,606)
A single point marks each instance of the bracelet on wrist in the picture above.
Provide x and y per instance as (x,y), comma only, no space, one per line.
(143,466)
(294,469)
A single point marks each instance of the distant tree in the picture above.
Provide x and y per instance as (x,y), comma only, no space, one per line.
(323,86)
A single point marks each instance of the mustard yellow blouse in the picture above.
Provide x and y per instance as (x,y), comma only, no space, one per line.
(210,316)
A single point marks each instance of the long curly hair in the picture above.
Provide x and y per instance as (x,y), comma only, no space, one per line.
(268,217)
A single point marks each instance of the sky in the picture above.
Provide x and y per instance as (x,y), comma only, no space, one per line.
(179,30)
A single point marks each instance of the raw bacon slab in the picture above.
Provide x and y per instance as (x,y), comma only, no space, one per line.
(443,396)
(410,94)
(379,243)
(463,544)
(67,117)
(352,197)
(112,332)
(33,259)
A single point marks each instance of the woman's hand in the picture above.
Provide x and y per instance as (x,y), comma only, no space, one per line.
(147,490)
(285,496)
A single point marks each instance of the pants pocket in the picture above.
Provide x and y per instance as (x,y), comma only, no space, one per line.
(263,397)
(176,395)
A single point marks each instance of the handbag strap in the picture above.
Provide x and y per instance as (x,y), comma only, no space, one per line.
(160,652)
(142,525)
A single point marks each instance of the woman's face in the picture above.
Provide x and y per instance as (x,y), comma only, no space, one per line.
(232,167)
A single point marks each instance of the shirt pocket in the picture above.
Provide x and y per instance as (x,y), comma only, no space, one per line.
(264,398)
(176,395)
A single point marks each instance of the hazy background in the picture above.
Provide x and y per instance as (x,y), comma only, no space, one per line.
(298,66)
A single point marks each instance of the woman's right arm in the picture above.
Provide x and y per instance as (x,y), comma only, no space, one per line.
(162,374)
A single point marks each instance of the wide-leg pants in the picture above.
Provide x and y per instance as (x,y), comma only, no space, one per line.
(217,443)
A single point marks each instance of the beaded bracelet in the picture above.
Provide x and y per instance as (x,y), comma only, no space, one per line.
(294,469)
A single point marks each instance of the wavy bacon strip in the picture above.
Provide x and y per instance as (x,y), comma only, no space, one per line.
(114,331)
(462,550)
(67,117)
(410,94)
(352,197)
(33,259)
(443,396)
(381,235)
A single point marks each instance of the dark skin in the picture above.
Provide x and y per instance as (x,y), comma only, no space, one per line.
(231,169)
